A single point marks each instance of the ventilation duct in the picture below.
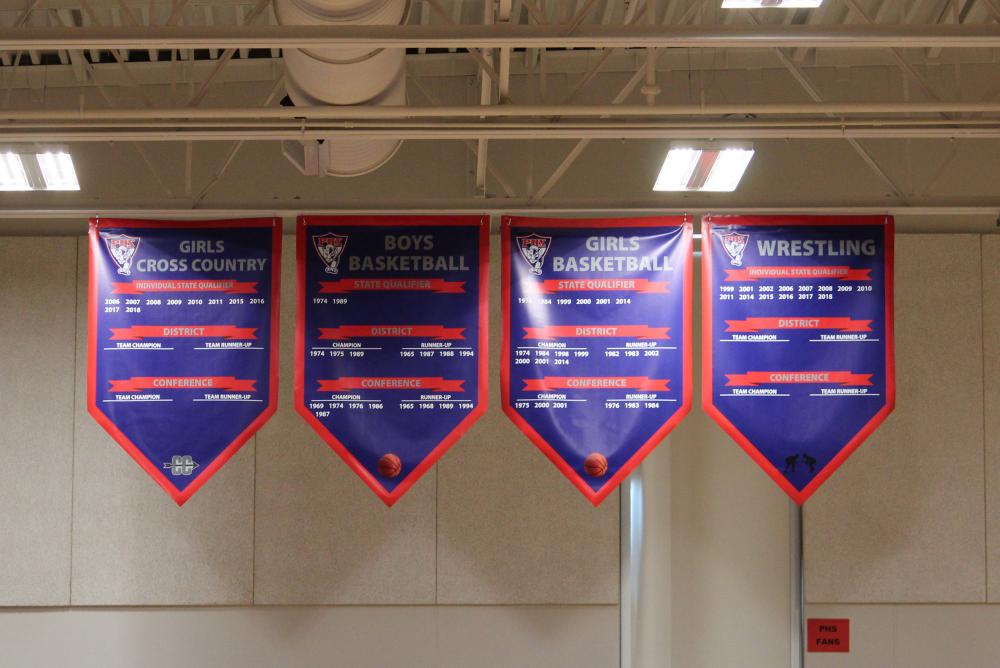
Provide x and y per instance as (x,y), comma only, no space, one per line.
(343,76)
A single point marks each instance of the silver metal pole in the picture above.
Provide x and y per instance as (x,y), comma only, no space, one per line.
(798,587)
(504,35)
(630,565)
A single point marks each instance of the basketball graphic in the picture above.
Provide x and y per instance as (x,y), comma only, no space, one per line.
(596,465)
(389,466)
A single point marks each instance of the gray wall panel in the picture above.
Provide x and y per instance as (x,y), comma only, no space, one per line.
(38,337)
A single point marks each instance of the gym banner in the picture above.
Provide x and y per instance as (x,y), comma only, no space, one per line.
(798,360)
(391,339)
(183,341)
(596,354)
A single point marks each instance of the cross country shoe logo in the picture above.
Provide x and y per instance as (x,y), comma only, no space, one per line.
(735,243)
(181,465)
(533,249)
(121,248)
(330,247)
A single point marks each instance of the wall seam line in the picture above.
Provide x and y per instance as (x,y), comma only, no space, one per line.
(253,525)
(982,362)
(437,535)
(76,362)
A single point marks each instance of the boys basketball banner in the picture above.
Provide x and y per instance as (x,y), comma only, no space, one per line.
(596,363)
(391,347)
(798,360)
(183,337)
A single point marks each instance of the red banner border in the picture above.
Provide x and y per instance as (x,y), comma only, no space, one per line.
(507,223)
(707,394)
(483,222)
(94,247)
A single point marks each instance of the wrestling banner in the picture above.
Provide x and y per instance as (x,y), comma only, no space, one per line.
(596,352)
(797,356)
(183,337)
(391,339)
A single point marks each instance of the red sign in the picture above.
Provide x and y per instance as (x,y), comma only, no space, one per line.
(391,285)
(191,285)
(641,285)
(829,635)
(837,273)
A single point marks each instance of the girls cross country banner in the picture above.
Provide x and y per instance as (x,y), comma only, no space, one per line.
(183,341)
(391,339)
(596,357)
(798,362)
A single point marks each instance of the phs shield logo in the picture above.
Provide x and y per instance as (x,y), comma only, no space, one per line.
(121,248)
(735,244)
(330,247)
(533,249)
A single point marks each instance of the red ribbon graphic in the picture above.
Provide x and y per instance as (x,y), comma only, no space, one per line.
(137,332)
(391,284)
(138,383)
(589,331)
(595,383)
(226,285)
(797,322)
(755,378)
(437,384)
(811,272)
(641,285)
(392,331)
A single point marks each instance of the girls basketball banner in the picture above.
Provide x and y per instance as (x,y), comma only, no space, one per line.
(183,341)
(798,362)
(391,339)
(596,357)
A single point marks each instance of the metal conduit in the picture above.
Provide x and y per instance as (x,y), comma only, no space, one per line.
(333,35)
(367,112)
(343,75)
(234,132)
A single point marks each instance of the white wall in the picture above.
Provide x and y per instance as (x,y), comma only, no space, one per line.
(493,559)
(492,551)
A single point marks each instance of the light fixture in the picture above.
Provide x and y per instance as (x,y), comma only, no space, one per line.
(12,175)
(754,4)
(707,167)
(51,170)
(57,171)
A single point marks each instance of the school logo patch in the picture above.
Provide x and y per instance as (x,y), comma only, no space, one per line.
(534,248)
(735,244)
(330,248)
(122,249)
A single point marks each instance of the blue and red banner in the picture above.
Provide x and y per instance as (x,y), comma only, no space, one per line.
(798,362)
(596,353)
(183,341)
(391,339)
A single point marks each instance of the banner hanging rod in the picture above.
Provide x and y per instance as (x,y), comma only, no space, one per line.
(490,208)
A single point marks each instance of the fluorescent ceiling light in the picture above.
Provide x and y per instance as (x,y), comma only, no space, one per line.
(12,174)
(57,171)
(754,4)
(703,168)
(52,170)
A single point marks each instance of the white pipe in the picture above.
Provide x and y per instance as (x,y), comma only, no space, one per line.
(512,206)
(500,111)
(472,131)
(707,128)
(505,35)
